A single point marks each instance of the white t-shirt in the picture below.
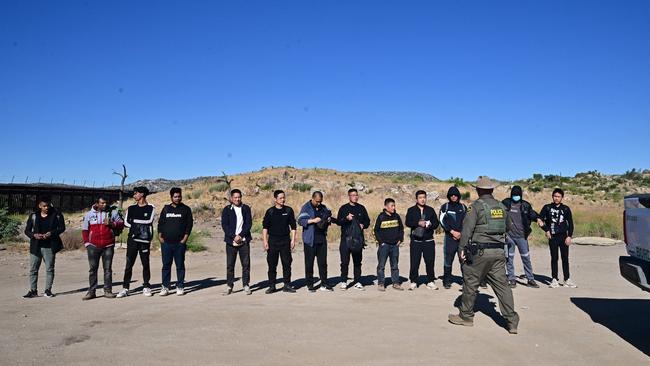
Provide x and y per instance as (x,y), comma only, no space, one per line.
(240,220)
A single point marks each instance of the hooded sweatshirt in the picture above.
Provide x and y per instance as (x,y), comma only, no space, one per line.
(389,228)
(95,230)
(520,214)
(452,214)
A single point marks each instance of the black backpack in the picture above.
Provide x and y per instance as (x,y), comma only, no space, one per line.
(354,238)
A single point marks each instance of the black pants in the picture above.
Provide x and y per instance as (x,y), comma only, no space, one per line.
(558,242)
(418,250)
(94,255)
(132,249)
(244,252)
(357,257)
(279,248)
(317,251)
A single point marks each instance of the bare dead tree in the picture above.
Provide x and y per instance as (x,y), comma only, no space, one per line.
(122,175)
(224,178)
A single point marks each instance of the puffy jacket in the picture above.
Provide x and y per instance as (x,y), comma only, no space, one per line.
(95,232)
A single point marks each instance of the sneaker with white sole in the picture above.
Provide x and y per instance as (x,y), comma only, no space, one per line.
(343,286)
(413,286)
(123,293)
(180,291)
(359,286)
(569,283)
(554,284)
(147,292)
(164,291)
(247,290)
(432,286)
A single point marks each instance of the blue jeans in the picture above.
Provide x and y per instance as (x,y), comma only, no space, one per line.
(173,253)
(522,244)
(384,252)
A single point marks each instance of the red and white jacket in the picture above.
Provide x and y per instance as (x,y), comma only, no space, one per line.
(94,230)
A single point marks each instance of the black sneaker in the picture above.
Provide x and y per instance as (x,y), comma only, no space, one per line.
(48,293)
(30,294)
(446,285)
(311,288)
(289,289)
(533,284)
(270,290)
(512,284)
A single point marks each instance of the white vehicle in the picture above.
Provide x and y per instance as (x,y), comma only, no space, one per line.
(636,226)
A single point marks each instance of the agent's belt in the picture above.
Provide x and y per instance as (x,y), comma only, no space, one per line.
(491,246)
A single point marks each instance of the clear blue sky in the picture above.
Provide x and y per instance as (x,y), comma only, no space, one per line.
(452,88)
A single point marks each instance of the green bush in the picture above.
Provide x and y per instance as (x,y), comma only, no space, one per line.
(219,187)
(267,187)
(301,187)
(465,196)
(458,182)
(8,224)
(195,241)
(257,227)
(196,194)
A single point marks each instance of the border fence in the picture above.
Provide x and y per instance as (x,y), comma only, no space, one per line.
(21,198)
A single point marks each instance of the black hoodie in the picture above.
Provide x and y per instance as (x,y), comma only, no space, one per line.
(528,215)
(452,214)
(389,228)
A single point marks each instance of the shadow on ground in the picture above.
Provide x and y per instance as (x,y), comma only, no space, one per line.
(628,318)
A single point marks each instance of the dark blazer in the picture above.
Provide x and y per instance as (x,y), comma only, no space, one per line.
(229,223)
(58,228)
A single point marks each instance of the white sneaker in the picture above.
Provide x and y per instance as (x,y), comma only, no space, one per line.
(569,283)
(247,290)
(432,286)
(164,291)
(413,286)
(343,286)
(123,293)
(147,292)
(180,291)
(554,284)
(359,286)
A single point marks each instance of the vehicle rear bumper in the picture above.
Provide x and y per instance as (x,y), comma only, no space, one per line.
(636,271)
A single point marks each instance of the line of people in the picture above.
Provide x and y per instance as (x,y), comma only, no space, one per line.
(103,223)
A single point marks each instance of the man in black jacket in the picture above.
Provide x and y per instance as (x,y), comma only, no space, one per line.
(520,215)
(556,220)
(236,222)
(279,235)
(423,221)
(452,215)
(43,228)
(139,219)
(352,213)
(174,228)
(389,232)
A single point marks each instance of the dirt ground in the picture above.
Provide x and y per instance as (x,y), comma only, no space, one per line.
(603,322)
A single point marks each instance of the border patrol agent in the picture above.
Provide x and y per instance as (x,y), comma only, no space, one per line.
(484,257)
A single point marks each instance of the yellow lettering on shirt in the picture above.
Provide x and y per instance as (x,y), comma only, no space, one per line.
(389,224)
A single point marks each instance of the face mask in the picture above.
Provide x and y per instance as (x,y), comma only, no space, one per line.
(516,198)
